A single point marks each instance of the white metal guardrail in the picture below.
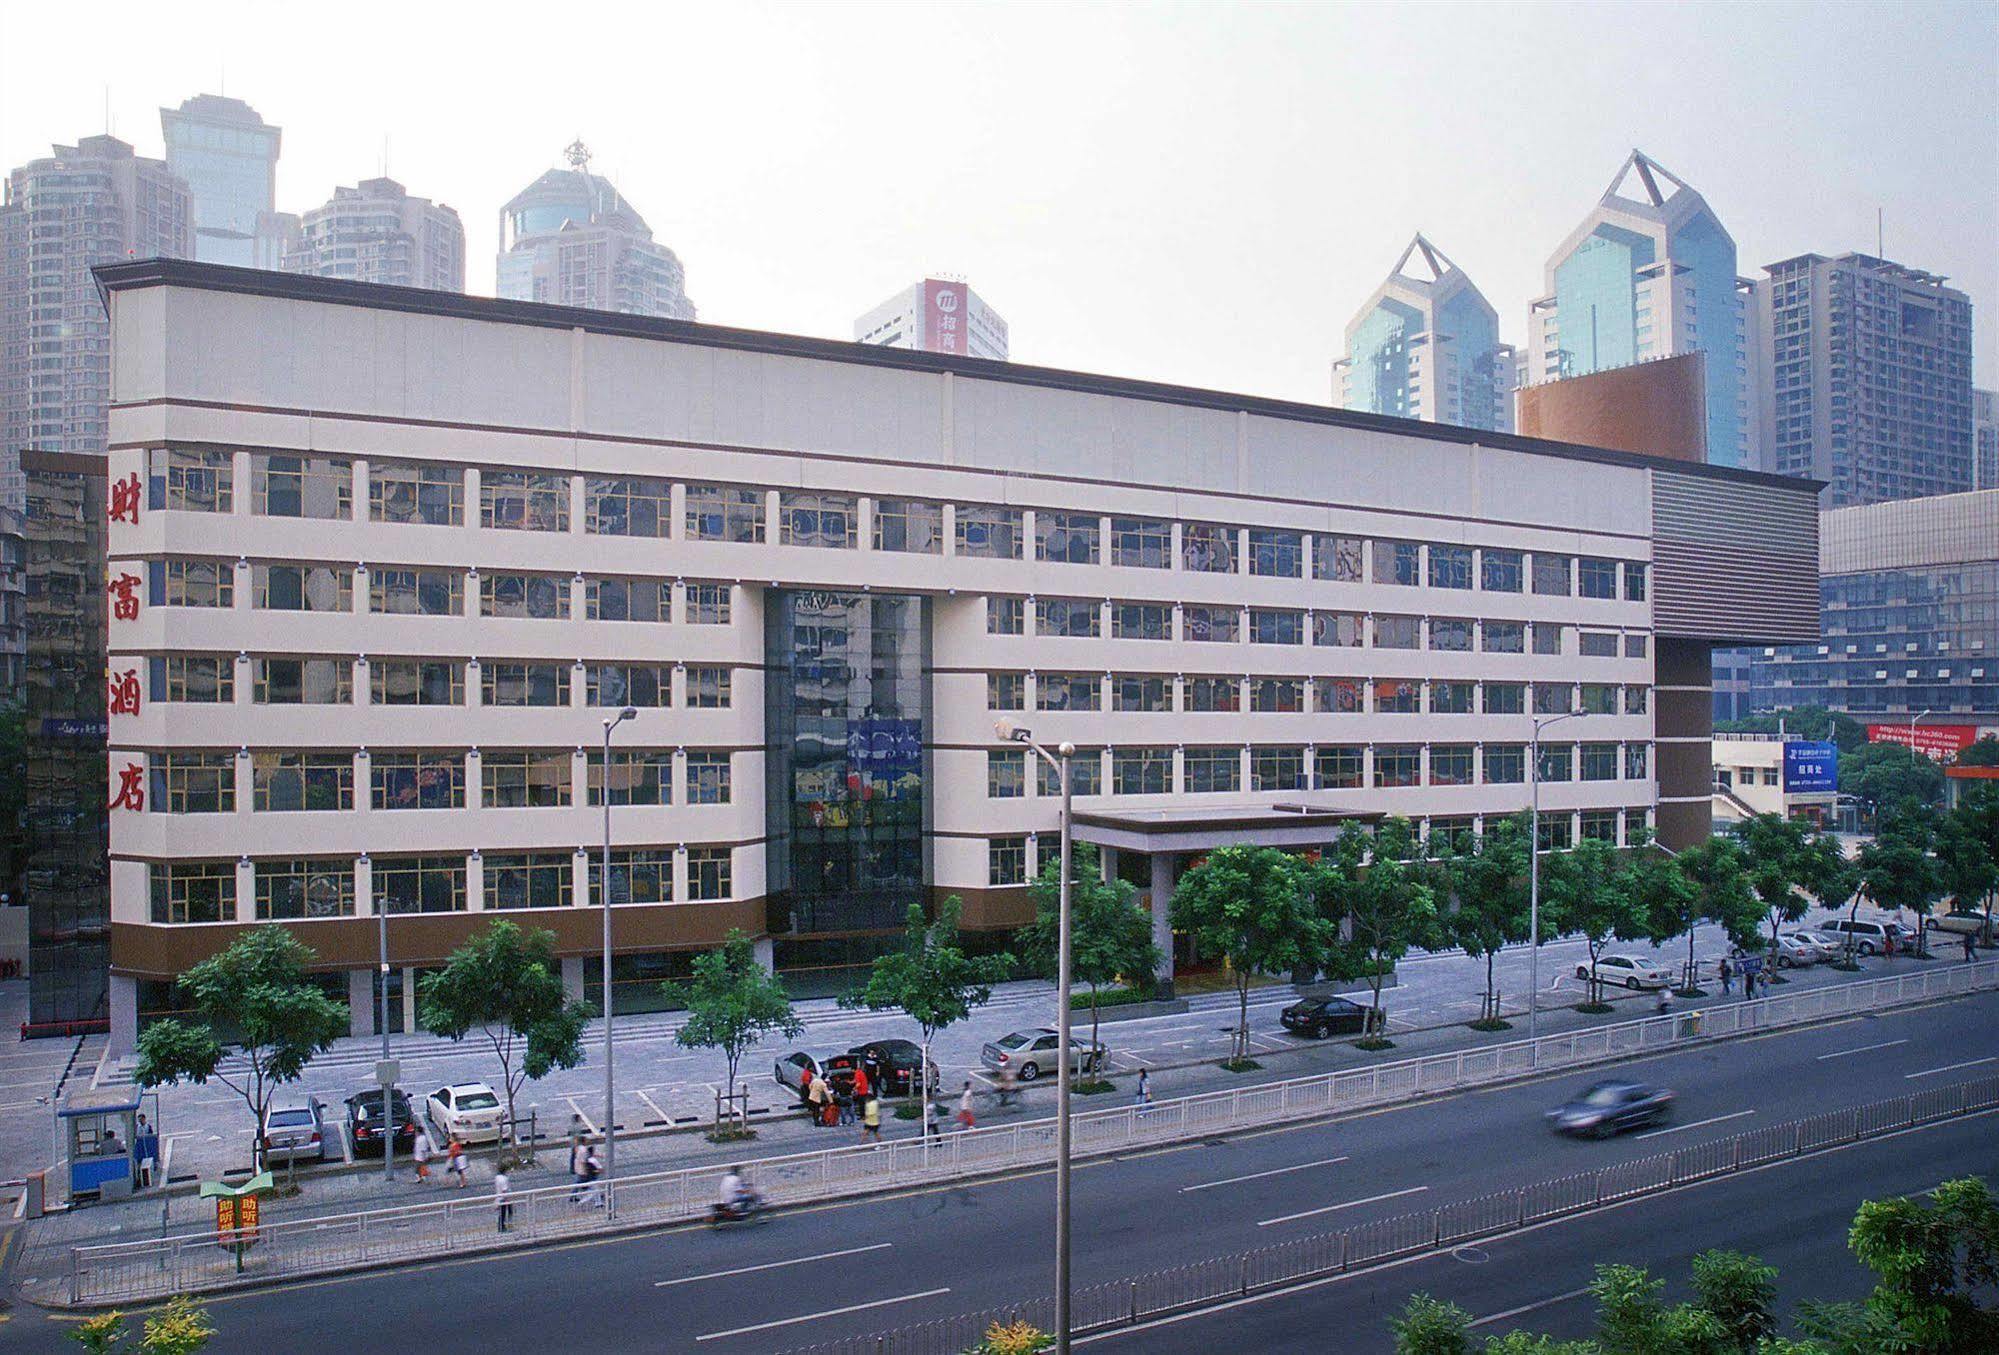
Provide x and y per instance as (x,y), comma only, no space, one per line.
(123,1272)
(1218,1279)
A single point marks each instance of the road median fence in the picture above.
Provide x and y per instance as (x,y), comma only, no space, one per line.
(288,1248)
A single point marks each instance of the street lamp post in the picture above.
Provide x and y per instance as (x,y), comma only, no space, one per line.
(1060,760)
(1534,882)
(604,898)
(1915,720)
(388,1091)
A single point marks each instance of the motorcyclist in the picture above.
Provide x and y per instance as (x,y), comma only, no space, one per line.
(737,1199)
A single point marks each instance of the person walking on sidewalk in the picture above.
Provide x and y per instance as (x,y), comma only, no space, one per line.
(502,1190)
(576,1155)
(871,1120)
(1970,948)
(592,1177)
(421,1151)
(1142,1095)
(815,1098)
(845,1101)
(933,1119)
(1727,972)
(966,1119)
(454,1162)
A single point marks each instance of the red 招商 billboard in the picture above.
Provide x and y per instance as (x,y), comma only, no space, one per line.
(1941,742)
(946,310)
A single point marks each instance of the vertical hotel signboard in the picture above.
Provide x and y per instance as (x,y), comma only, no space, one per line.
(945,314)
(1810,768)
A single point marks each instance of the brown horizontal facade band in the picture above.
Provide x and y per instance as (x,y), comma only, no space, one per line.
(397,853)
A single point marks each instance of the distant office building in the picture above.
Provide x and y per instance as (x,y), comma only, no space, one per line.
(1985,439)
(1650,273)
(377,232)
(228,156)
(936,315)
(1868,378)
(13,604)
(571,239)
(13,484)
(1426,346)
(91,203)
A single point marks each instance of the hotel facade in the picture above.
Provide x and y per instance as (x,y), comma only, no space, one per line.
(382,562)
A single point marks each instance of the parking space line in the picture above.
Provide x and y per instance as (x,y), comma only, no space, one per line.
(1863,1049)
(1258,1176)
(823,1312)
(771,1265)
(588,1123)
(1344,1204)
(1674,1129)
(653,1105)
(1952,1067)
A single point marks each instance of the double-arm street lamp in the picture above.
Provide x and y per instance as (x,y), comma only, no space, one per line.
(1059,760)
(604,897)
(1534,880)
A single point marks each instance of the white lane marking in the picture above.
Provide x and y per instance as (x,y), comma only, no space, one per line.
(1953,1067)
(588,1123)
(1346,1204)
(823,1312)
(1526,1308)
(1863,1049)
(1674,1129)
(1258,1176)
(770,1265)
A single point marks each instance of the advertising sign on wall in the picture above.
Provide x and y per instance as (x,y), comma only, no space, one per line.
(1810,768)
(1942,742)
(945,314)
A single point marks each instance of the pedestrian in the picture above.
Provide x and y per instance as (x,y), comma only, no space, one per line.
(1727,972)
(815,1098)
(1142,1095)
(502,1189)
(863,1084)
(454,1162)
(844,1098)
(576,1154)
(1970,954)
(1008,1086)
(1666,999)
(146,1148)
(933,1120)
(421,1151)
(871,1120)
(966,1120)
(593,1172)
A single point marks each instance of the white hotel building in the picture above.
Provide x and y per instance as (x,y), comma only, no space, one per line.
(396,555)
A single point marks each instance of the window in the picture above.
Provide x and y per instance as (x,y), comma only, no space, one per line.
(1551,575)
(1142,543)
(644,875)
(1006,616)
(301,782)
(627,507)
(289,890)
(194,783)
(1339,695)
(709,872)
(1634,646)
(1212,771)
(1276,769)
(985,532)
(533,597)
(1554,698)
(1634,581)
(1635,700)
(1006,861)
(1067,616)
(1142,771)
(1450,566)
(1133,693)
(303,682)
(1006,773)
(1594,578)
(301,486)
(416,682)
(416,780)
(708,778)
(647,685)
(1505,698)
(524,684)
(1274,626)
(721,513)
(1596,644)
(416,592)
(1398,562)
(1452,698)
(1342,630)
(1398,632)
(708,687)
(416,493)
(1398,764)
(1141,621)
(1499,570)
(526,779)
(419,884)
(1275,554)
(708,604)
(1208,694)
(1066,691)
(524,501)
(1006,691)
(1598,698)
(1208,548)
(191,482)
(811,518)
(194,891)
(1337,558)
(1557,833)
(1213,625)
(1451,835)
(1450,764)
(1600,825)
(1635,761)
(208,679)
(191,583)
(1503,637)
(1341,766)
(1067,538)
(1599,761)
(1558,762)
(302,588)
(1398,696)
(1505,764)
(1547,637)
(628,600)
(528,879)
(909,525)
(1277,695)
(638,777)
(1450,633)
(1086,776)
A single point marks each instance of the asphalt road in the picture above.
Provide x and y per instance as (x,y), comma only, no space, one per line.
(857,1267)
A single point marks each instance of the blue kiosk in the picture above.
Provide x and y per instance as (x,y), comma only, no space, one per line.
(97,1129)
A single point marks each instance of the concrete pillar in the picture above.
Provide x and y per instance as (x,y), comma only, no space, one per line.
(124,1037)
(1107,857)
(360,1002)
(766,954)
(409,1000)
(572,977)
(1162,921)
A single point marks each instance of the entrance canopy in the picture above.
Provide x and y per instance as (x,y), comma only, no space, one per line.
(1205,827)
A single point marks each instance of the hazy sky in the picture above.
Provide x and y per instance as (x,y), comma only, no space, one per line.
(1199,193)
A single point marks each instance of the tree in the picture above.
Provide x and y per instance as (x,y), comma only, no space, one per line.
(1110,936)
(1886,774)
(1666,900)
(507,984)
(1984,753)
(1587,890)
(1806,722)
(1787,865)
(931,979)
(1741,1292)
(258,989)
(1897,870)
(1720,893)
(1968,850)
(1251,905)
(1431,1327)
(179,1329)
(1931,1258)
(1380,889)
(732,1002)
(1487,909)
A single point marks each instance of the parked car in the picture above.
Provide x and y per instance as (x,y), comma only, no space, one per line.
(1611,1107)
(1027,1054)
(1791,953)
(1319,1017)
(897,1062)
(1828,946)
(467,1111)
(364,1122)
(1865,937)
(1627,970)
(295,1131)
(794,1071)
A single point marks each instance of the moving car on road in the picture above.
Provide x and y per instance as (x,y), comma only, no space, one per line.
(295,1131)
(1627,970)
(364,1122)
(1319,1017)
(467,1111)
(1027,1054)
(1611,1107)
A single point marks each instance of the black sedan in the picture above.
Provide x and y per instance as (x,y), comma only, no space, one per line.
(895,1062)
(364,1122)
(1611,1107)
(1319,1017)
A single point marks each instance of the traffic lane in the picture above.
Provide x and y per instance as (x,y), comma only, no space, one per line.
(1793,1215)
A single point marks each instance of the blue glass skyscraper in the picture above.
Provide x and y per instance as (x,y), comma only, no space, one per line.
(1426,346)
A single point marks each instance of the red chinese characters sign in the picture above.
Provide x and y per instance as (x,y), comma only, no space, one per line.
(946,310)
(123,589)
(131,788)
(125,499)
(122,693)
(1941,742)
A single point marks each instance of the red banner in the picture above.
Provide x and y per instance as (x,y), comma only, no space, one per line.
(1941,742)
(946,312)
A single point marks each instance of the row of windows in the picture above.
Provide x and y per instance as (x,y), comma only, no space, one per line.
(205,783)
(211,678)
(284,485)
(1227,770)
(1160,694)
(291,890)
